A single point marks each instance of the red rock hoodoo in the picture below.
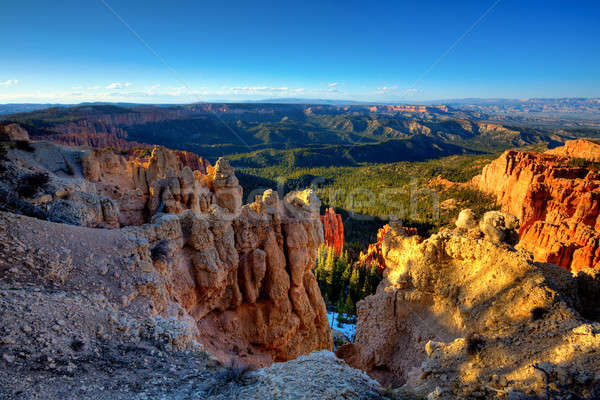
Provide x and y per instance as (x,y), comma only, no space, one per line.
(558,204)
(333,230)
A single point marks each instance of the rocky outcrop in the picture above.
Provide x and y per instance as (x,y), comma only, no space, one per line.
(101,188)
(579,148)
(14,132)
(71,346)
(319,375)
(557,204)
(374,254)
(465,315)
(333,230)
(237,277)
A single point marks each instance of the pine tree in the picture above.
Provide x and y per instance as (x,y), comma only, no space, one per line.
(354,288)
(349,306)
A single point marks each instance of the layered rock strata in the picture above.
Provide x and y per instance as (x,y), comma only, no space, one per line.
(579,148)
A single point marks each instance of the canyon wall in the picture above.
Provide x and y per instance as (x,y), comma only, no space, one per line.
(237,277)
(463,314)
(333,230)
(557,203)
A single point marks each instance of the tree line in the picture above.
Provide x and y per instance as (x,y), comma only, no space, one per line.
(343,283)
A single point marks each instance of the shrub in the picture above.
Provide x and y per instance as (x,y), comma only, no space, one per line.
(474,344)
(160,251)
(77,345)
(24,145)
(29,184)
(236,373)
(538,313)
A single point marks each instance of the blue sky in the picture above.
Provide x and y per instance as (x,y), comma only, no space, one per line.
(69,51)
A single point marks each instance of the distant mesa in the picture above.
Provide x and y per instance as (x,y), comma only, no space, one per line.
(408,108)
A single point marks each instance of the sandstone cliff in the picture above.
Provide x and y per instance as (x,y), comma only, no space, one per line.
(333,230)
(558,205)
(463,314)
(237,277)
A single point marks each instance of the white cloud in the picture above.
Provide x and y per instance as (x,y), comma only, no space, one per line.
(258,89)
(386,89)
(412,91)
(118,85)
(9,82)
(333,84)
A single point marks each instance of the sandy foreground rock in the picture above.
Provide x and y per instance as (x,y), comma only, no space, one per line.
(64,345)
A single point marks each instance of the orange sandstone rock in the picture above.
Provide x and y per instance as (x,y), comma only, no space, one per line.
(558,206)
(374,254)
(333,230)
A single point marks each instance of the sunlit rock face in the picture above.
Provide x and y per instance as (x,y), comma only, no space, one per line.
(182,246)
(463,312)
(333,230)
(557,203)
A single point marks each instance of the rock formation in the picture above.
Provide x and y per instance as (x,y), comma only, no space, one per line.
(14,132)
(236,277)
(374,254)
(101,188)
(333,230)
(463,314)
(407,108)
(579,148)
(557,204)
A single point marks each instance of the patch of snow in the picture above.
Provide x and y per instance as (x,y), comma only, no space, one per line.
(348,329)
